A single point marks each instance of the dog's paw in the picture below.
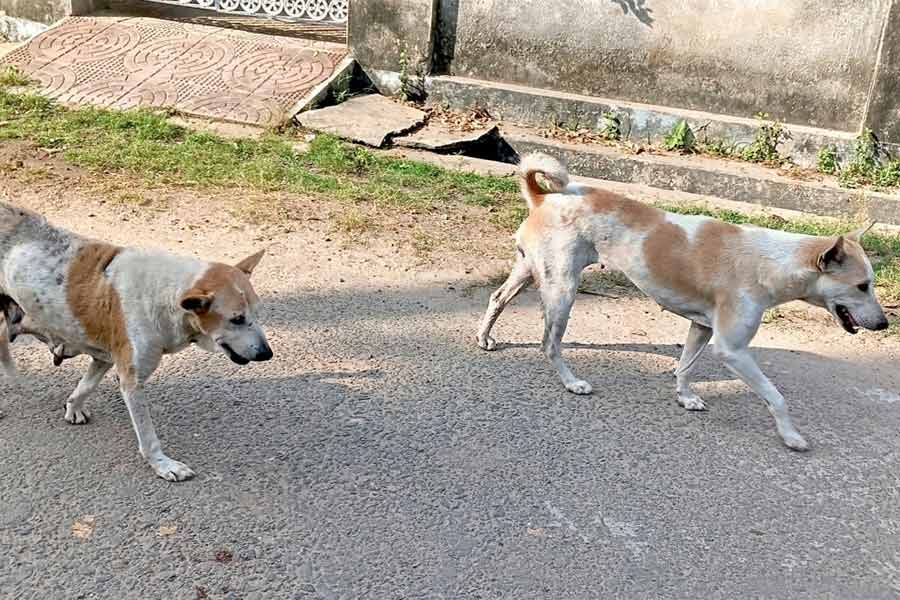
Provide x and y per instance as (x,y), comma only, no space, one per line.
(691,402)
(795,441)
(580,387)
(77,416)
(171,470)
(486,343)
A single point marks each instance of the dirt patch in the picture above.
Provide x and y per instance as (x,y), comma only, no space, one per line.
(31,164)
(45,182)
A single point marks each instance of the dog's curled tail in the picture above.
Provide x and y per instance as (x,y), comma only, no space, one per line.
(554,174)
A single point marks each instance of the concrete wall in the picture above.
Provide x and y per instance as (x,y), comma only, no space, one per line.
(49,11)
(804,61)
(829,64)
(884,107)
(378,30)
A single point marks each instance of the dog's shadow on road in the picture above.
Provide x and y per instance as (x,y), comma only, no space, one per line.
(772,361)
(320,423)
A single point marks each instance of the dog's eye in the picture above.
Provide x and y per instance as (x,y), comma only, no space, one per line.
(238,320)
(863,287)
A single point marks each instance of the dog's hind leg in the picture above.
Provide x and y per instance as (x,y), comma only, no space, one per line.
(558,298)
(518,279)
(698,338)
(75,412)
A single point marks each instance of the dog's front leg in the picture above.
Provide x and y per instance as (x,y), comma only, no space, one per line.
(738,359)
(6,359)
(132,390)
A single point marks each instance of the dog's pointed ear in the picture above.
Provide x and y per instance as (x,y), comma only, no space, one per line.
(856,236)
(197,302)
(833,256)
(248,264)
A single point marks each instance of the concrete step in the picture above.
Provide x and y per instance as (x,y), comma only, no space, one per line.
(729,180)
(726,179)
(640,123)
(638,190)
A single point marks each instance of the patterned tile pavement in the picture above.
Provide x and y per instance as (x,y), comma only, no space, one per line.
(129,62)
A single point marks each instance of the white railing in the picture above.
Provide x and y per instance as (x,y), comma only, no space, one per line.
(292,10)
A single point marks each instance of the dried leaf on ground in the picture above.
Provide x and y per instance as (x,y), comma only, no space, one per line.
(84,527)
(472,120)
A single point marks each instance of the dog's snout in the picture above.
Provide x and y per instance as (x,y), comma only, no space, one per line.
(882,324)
(264,354)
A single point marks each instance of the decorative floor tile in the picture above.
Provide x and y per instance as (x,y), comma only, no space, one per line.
(206,71)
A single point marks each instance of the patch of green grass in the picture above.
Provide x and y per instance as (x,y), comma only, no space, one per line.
(340,90)
(870,165)
(146,144)
(353,222)
(509,216)
(13,77)
(889,175)
(883,248)
(611,127)
(717,148)
(764,148)
(863,167)
(827,161)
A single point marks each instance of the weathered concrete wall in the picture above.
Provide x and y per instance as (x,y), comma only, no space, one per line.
(808,62)
(84,7)
(49,11)
(42,11)
(884,106)
(379,31)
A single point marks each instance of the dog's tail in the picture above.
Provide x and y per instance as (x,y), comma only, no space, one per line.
(554,174)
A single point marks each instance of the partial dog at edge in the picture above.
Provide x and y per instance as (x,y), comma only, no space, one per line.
(721,277)
(125,307)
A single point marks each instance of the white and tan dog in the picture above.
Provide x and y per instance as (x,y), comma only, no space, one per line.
(125,307)
(721,277)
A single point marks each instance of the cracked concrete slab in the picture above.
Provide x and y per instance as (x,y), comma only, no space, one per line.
(371,120)
(437,137)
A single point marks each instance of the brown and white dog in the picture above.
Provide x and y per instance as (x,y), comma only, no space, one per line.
(125,307)
(721,277)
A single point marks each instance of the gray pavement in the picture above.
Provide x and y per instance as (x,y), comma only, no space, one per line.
(382,455)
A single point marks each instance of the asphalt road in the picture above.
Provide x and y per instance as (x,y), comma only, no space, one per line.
(382,455)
